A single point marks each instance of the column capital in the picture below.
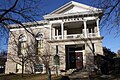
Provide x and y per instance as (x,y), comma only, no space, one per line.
(62,22)
(50,23)
(97,19)
(84,20)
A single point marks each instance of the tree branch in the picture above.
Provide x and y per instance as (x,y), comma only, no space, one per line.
(7,11)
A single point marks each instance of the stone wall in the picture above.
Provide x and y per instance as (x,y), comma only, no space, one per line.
(12,58)
(49,50)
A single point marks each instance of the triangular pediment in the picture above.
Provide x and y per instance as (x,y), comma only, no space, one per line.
(73,7)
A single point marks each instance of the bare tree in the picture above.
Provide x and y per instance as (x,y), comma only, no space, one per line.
(118,53)
(111,16)
(23,54)
(19,12)
(29,53)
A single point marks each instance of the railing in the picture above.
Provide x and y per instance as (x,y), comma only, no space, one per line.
(58,37)
(92,35)
(75,36)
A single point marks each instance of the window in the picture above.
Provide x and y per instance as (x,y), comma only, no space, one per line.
(22,38)
(18,67)
(91,30)
(38,67)
(93,47)
(39,38)
(56,49)
(39,41)
(22,44)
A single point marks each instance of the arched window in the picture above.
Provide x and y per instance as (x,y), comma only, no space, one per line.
(39,36)
(22,38)
(22,45)
(39,41)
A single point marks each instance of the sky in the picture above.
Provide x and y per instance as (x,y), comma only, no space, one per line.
(47,6)
(3,39)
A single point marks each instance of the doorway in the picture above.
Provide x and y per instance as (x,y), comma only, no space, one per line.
(79,60)
(74,58)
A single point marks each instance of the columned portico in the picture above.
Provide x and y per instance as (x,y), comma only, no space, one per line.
(86,28)
(54,33)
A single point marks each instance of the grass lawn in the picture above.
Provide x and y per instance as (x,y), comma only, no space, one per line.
(27,77)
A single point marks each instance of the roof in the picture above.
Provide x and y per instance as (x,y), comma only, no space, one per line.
(71,8)
(28,24)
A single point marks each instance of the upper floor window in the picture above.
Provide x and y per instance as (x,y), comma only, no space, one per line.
(22,38)
(39,36)
(22,45)
(39,39)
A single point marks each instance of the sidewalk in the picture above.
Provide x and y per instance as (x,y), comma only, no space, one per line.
(84,75)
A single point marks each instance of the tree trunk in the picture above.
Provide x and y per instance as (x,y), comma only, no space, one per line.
(22,67)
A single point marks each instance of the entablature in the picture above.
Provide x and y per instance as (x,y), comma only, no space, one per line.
(76,41)
(73,15)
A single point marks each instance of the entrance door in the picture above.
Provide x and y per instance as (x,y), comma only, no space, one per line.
(74,57)
(79,60)
(72,60)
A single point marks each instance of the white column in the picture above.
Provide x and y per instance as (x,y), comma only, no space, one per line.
(65,34)
(57,33)
(62,30)
(53,33)
(91,30)
(50,31)
(85,28)
(98,27)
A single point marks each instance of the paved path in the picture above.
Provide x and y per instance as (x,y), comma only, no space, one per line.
(84,75)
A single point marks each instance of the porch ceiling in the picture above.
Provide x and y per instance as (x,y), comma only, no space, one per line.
(73,25)
(69,25)
(78,24)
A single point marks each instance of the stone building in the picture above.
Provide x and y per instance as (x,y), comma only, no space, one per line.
(70,33)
